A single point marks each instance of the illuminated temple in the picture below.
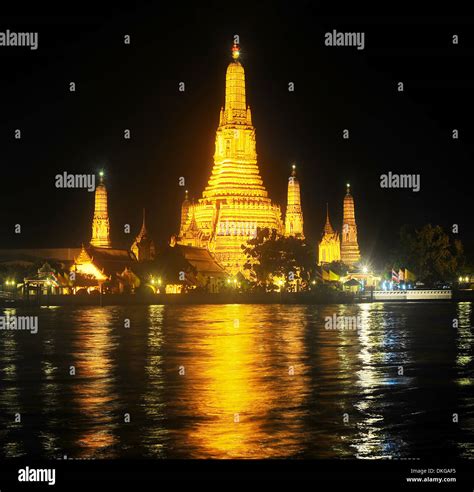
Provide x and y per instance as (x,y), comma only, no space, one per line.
(330,245)
(235,202)
(100,223)
(350,253)
(294,213)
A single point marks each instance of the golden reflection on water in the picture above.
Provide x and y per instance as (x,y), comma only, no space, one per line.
(93,398)
(234,381)
(240,405)
(154,439)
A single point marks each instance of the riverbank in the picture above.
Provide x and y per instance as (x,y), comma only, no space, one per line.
(318,297)
(328,297)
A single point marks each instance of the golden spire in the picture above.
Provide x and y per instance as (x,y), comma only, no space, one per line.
(143,232)
(328,229)
(143,247)
(100,223)
(350,253)
(185,215)
(235,88)
(235,172)
(235,202)
(294,213)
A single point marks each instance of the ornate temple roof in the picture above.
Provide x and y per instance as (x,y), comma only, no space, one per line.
(143,234)
(328,229)
(83,257)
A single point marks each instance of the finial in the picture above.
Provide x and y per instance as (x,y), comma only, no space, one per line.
(186,195)
(143,216)
(327,211)
(348,188)
(293,170)
(101,176)
(235,51)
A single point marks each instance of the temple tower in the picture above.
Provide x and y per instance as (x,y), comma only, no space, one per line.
(294,214)
(350,254)
(235,202)
(185,214)
(143,247)
(329,248)
(100,223)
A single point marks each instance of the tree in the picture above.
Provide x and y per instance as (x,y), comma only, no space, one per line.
(430,253)
(271,256)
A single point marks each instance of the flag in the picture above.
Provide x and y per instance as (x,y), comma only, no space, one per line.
(395,276)
(329,275)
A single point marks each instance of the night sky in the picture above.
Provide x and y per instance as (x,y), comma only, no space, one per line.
(172,133)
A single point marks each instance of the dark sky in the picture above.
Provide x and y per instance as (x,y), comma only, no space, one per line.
(136,87)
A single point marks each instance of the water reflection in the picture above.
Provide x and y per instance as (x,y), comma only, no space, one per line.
(465,374)
(240,382)
(10,405)
(93,396)
(243,381)
(153,398)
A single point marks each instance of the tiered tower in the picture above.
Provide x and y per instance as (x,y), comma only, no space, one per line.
(143,247)
(100,223)
(350,254)
(235,202)
(329,249)
(185,206)
(294,214)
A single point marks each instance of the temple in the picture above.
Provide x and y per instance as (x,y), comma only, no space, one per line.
(235,202)
(350,254)
(329,249)
(100,222)
(294,213)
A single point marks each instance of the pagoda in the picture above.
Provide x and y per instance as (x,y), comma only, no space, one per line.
(294,213)
(235,202)
(350,254)
(100,222)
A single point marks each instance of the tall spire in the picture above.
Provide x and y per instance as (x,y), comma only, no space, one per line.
(185,215)
(350,253)
(328,229)
(294,213)
(235,201)
(143,247)
(100,222)
(143,232)
(235,171)
(235,105)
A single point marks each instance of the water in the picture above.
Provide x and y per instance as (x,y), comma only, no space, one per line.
(243,381)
